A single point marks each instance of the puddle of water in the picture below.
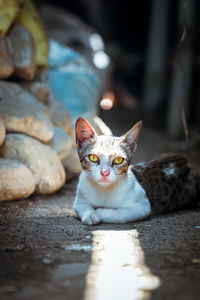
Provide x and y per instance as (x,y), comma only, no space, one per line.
(79,247)
(65,271)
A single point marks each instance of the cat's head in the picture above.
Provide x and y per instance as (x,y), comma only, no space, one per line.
(105,159)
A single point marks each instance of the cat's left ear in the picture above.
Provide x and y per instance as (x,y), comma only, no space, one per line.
(84,132)
(131,137)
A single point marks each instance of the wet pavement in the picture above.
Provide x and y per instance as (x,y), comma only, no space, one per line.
(46,253)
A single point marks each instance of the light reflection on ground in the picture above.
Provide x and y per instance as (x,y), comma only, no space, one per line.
(117,268)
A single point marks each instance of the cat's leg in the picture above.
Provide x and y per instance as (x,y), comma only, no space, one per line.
(123,215)
(86,212)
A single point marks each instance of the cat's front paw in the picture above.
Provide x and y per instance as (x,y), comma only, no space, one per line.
(92,218)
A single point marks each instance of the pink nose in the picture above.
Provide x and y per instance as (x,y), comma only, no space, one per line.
(105,172)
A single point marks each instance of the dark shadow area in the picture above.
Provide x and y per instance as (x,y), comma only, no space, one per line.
(35,263)
(34,256)
(171,245)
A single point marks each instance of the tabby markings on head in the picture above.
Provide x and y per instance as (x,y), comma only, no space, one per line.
(114,153)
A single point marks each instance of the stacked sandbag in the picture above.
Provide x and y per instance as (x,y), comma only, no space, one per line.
(17,181)
(31,147)
(41,159)
(24,59)
(23,41)
(39,105)
(6,60)
(63,141)
(21,112)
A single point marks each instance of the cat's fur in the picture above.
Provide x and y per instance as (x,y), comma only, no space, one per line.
(128,193)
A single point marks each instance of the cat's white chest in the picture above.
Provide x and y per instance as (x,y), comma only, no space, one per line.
(123,195)
(126,202)
(109,199)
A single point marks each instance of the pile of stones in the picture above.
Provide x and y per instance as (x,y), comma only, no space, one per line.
(37,149)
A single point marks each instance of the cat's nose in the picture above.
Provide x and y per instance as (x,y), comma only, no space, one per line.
(105,172)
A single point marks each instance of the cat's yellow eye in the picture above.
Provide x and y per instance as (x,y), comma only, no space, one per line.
(118,160)
(93,158)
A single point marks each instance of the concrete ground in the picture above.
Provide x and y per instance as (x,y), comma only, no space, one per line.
(46,253)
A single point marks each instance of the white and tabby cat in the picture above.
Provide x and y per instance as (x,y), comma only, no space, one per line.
(111,190)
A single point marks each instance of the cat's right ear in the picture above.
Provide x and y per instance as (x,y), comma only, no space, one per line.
(131,137)
(84,132)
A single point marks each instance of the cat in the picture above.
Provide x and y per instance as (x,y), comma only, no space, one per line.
(112,190)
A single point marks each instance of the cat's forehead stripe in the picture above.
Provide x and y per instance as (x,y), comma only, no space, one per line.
(107,141)
(108,145)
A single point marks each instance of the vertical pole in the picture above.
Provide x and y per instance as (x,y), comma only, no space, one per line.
(154,81)
(182,75)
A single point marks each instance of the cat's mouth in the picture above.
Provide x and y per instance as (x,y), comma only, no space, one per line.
(104,181)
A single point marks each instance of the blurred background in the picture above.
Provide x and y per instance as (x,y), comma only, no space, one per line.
(153,52)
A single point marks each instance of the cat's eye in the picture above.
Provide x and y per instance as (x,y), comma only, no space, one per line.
(118,160)
(93,158)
